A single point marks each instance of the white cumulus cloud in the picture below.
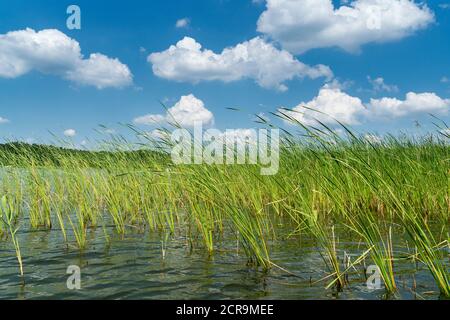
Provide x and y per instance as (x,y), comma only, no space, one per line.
(50,51)
(378,85)
(101,72)
(331,104)
(158,134)
(186,112)
(3,120)
(301,25)
(255,59)
(70,133)
(413,103)
(150,119)
(182,23)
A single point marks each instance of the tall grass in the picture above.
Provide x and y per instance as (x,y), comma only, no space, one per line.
(8,219)
(327,183)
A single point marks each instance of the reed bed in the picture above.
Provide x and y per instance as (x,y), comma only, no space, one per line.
(326,183)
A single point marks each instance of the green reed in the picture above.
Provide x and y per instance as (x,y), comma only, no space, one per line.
(8,219)
(327,184)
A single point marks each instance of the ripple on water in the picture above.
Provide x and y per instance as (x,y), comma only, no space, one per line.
(133,268)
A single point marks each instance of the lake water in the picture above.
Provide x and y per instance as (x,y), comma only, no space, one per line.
(134,268)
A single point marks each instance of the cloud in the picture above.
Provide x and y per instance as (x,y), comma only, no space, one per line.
(101,72)
(50,51)
(378,85)
(156,134)
(186,112)
(333,104)
(301,25)
(159,134)
(182,23)
(190,110)
(150,119)
(70,133)
(3,120)
(255,59)
(413,103)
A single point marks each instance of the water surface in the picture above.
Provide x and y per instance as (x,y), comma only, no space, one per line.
(134,268)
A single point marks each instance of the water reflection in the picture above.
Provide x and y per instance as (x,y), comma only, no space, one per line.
(134,268)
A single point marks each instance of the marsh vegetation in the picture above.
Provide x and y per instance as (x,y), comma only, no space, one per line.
(388,199)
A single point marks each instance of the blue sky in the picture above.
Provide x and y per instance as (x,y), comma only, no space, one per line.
(45,98)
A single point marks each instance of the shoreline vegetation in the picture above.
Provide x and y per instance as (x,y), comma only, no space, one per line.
(326,183)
